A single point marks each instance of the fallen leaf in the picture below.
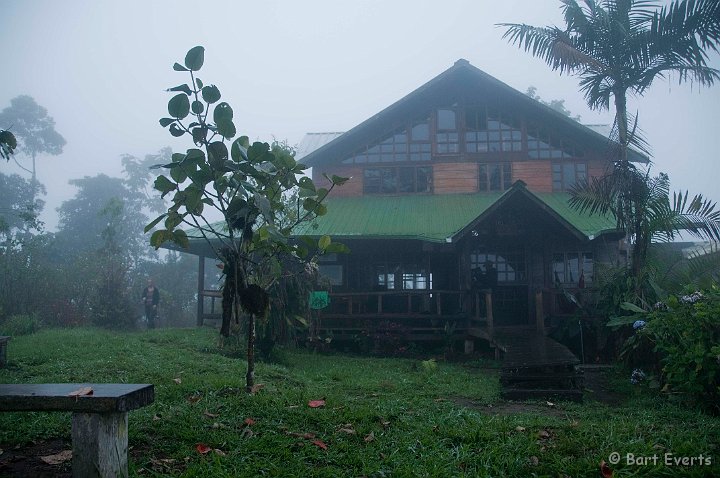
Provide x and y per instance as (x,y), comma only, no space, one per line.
(441,399)
(156,417)
(320,444)
(80,392)
(534,461)
(519,429)
(246,433)
(219,452)
(349,431)
(656,446)
(202,448)
(308,436)
(210,415)
(58,458)
(543,434)
(384,423)
(249,422)
(605,470)
(177,380)
(550,404)
(383,456)
(256,388)
(316,403)
(194,398)
(370,437)
(294,406)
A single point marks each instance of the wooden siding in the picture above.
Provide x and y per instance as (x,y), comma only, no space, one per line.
(536,174)
(455,178)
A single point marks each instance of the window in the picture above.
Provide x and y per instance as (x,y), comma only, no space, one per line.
(447,139)
(542,145)
(567,175)
(572,268)
(495,177)
(508,264)
(491,132)
(397,180)
(420,141)
(405,277)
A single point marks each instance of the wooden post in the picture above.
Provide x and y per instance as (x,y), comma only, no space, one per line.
(409,303)
(539,313)
(489,311)
(438,303)
(100,444)
(477,304)
(379,303)
(3,350)
(469,346)
(350,305)
(201,288)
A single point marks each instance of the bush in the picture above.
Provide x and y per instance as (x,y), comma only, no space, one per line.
(16,325)
(682,336)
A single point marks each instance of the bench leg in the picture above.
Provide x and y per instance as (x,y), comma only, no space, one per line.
(100,444)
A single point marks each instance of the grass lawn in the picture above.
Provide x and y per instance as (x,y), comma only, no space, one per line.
(383,417)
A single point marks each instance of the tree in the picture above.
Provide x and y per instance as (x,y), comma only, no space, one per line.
(34,130)
(557,105)
(247,184)
(19,209)
(618,47)
(82,222)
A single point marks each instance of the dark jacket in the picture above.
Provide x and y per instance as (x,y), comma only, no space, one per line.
(155,296)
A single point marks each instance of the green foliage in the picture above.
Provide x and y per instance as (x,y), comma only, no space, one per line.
(8,143)
(684,335)
(17,325)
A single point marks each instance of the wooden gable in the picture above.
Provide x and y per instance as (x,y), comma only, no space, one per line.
(464,132)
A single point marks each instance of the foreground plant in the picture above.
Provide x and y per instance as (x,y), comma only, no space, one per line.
(249,185)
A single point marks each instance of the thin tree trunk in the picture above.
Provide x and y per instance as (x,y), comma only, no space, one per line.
(250,377)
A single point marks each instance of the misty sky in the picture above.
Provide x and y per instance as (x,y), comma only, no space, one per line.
(290,67)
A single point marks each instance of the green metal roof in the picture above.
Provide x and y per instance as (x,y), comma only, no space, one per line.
(435,218)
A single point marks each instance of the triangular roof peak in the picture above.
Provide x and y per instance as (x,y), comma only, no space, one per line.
(462,81)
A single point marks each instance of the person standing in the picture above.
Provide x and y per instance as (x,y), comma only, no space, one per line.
(151,299)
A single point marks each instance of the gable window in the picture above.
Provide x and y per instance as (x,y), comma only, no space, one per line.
(420,141)
(394,180)
(447,139)
(490,131)
(567,175)
(495,177)
(572,268)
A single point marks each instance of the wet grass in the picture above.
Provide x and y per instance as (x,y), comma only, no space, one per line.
(383,417)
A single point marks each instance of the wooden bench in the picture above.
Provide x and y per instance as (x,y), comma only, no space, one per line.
(3,350)
(99,420)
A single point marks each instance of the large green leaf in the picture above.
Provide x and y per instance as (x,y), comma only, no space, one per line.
(222,111)
(160,237)
(197,107)
(226,128)
(164,185)
(179,106)
(154,222)
(210,93)
(324,242)
(199,135)
(180,237)
(238,151)
(179,67)
(195,58)
(176,130)
(217,154)
(184,88)
(178,174)
(164,122)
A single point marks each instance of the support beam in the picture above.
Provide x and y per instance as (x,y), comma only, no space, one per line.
(539,312)
(201,288)
(489,312)
(100,444)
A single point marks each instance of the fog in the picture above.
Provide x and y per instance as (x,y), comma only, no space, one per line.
(287,68)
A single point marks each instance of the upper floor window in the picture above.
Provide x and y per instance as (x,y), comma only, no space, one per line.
(543,145)
(489,131)
(505,265)
(447,139)
(567,175)
(397,180)
(495,177)
(420,141)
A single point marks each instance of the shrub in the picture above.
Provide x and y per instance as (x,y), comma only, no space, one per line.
(19,325)
(680,339)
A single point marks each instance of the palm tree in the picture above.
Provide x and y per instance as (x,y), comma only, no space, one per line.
(653,217)
(618,47)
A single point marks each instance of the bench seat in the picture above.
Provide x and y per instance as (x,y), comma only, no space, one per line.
(99,420)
